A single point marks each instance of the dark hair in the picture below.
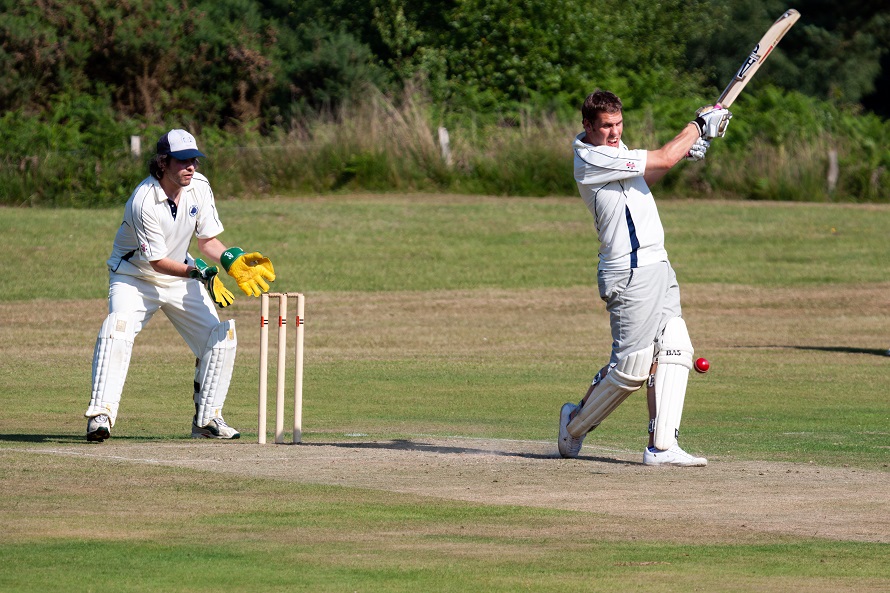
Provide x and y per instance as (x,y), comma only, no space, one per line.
(600,102)
(157,164)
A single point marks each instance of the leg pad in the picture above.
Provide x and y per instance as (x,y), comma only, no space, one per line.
(628,375)
(674,359)
(213,372)
(111,360)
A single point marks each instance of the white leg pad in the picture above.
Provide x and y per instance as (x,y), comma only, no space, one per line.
(628,375)
(674,359)
(213,372)
(111,360)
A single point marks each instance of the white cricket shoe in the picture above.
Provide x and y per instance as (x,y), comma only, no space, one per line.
(98,428)
(674,456)
(215,429)
(569,446)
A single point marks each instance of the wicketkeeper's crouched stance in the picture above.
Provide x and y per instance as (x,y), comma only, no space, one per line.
(150,269)
(650,341)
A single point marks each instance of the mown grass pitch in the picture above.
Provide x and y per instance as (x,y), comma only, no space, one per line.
(442,335)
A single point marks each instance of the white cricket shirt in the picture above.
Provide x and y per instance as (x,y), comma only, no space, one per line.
(611,183)
(149,232)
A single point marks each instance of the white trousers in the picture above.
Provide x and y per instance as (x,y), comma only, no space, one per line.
(186,304)
(132,302)
(640,302)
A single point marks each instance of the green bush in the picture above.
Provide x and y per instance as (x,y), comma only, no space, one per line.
(782,141)
(78,157)
(777,148)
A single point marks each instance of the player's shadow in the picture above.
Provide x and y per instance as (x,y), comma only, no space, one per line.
(67,439)
(41,438)
(842,349)
(839,349)
(409,445)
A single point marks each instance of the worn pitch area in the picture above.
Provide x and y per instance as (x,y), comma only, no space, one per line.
(725,501)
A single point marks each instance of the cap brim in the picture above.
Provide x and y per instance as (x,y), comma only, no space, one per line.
(184,155)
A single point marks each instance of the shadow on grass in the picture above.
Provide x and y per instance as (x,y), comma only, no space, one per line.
(840,349)
(409,445)
(41,438)
(68,439)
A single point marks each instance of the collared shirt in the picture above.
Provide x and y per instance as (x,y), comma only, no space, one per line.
(150,231)
(610,180)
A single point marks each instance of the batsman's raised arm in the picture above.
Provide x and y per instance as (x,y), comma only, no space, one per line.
(692,142)
(659,162)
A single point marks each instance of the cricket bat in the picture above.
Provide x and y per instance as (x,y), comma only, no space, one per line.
(758,55)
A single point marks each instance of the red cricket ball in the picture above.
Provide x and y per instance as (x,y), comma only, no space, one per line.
(702,365)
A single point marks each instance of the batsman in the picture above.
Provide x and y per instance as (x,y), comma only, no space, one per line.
(151,270)
(650,341)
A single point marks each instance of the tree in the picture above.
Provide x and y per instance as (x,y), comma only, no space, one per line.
(834,52)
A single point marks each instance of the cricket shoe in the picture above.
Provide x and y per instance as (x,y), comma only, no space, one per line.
(569,446)
(215,429)
(674,456)
(98,428)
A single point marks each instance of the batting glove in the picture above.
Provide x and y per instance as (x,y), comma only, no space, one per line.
(698,150)
(711,121)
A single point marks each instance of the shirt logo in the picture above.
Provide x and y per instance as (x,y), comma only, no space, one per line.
(143,248)
(631,166)
(193,211)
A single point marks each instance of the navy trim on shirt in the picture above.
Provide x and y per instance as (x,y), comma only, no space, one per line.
(634,241)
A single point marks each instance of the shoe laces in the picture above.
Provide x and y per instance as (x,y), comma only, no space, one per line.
(220,422)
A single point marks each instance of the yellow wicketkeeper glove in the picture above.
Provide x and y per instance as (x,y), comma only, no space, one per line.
(250,270)
(209,277)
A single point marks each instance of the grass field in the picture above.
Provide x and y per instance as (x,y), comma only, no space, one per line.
(442,335)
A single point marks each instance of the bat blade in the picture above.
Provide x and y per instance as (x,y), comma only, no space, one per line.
(758,55)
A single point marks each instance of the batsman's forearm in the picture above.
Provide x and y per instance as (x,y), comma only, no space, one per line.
(659,162)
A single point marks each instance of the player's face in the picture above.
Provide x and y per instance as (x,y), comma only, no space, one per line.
(605,130)
(181,172)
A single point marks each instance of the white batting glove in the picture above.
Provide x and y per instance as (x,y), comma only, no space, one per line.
(698,150)
(711,121)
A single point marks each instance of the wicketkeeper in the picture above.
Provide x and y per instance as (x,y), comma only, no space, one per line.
(650,342)
(150,269)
